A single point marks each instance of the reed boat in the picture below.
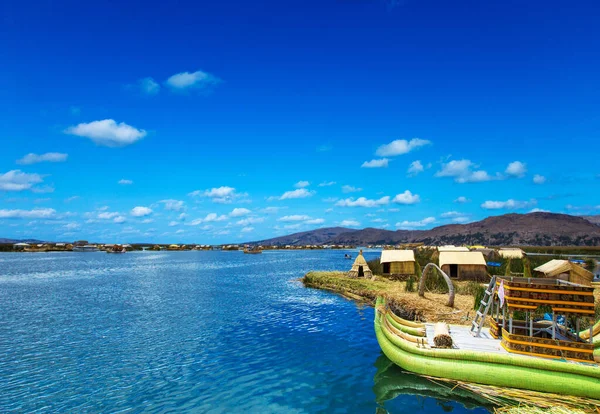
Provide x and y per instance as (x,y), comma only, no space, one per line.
(524,354)
(252,251)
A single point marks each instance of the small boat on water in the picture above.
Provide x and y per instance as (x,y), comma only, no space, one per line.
(254,250)
(524,354)
(88,248)
(117,249)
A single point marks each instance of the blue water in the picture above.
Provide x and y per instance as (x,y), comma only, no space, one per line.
(199,332)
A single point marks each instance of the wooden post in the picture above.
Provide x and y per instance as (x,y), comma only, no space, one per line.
(510,323)
(531,324)
(577,328)
(553,325)
(591,330)
(503,317)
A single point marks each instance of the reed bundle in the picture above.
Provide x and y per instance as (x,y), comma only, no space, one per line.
(441,335)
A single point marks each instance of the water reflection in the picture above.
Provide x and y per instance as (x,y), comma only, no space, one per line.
(391,383)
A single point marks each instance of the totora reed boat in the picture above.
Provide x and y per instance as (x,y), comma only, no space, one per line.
(538,356)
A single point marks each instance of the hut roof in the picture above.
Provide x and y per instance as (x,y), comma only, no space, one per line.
(462,258)
(556,267)
(452,249)
(511,253)
(389,256)
(360,260)
(21,244)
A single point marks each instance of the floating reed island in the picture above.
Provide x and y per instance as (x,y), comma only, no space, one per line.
(543,334)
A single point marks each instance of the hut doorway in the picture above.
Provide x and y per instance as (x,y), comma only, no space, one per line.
(386,268)
(361,272)
(453,270)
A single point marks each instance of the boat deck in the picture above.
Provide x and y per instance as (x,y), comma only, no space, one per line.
(462,338)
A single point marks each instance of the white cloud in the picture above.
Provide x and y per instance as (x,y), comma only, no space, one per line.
(211,217)
(173,205)
(412,224)
(376,163)
(249,220)
(508,204)
(407,198)
(539,179)
(141,211)
(239,212)
(461,220)
(16,180)
(107,215)
(147,221)
(350,189)
(125,182)
(301,184)
(173,223)
(538,210)
(36,213)
(327,183)
(108,133)
(71,226)
(378,220)
(247,229)
(43,190)
(455,216)
(73,198)
(299,193)
(350,223)
(516,169)
(400,146)
(449,214)
(315,221)
(198,80)
(148,86)
(415,168)
(462,200)
(363,202)
(180,231)
(119,219)
(182,216)
(271,210)
(292,226)
(295,217)
(221,195)
(462,172)
(32,158)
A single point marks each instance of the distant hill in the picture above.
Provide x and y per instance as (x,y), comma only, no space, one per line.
(536,229)
(8,241)
(593,219)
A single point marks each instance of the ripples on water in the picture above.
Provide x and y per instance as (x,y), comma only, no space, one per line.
(189,331)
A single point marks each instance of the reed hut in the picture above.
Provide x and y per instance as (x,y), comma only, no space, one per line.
(564,270)
(464,265)
(490,255)
(511,253)
(398,263)
(360,268)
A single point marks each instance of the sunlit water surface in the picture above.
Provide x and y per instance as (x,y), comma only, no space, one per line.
(192,332)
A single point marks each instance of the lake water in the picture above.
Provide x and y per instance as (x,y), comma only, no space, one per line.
(213,332)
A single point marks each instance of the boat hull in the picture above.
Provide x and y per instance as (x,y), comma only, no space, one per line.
(513,371)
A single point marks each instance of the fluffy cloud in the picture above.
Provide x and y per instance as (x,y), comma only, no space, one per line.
(36,213)
(539,179)
(462,200)
(295,217)
(363,202)
(221,195)
(211,217)
(16,180)
(119,219)
(455,216)
(516,169)
(239,212)
(377,163)
(301,184)
(407,198)
(141,211)
(462,172)
(107,133)
(198,80)
(538,210)
(249,220)
(148,86)
(315,221)
(508,204)
(32,158)
(247,229)
(173,205)
(107,215)
(412,224)
(125,182)
(327,183)
(350,189)
(299,193)
(415,168)
(401,146)
(350,223)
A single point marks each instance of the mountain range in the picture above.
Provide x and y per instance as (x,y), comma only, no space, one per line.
(534,229)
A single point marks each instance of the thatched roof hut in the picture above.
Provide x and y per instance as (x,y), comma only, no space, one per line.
(511,253)
(564,270)
(464,265)
(398,262)
(360,268)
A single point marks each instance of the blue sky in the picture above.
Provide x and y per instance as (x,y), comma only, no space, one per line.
(213,122)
